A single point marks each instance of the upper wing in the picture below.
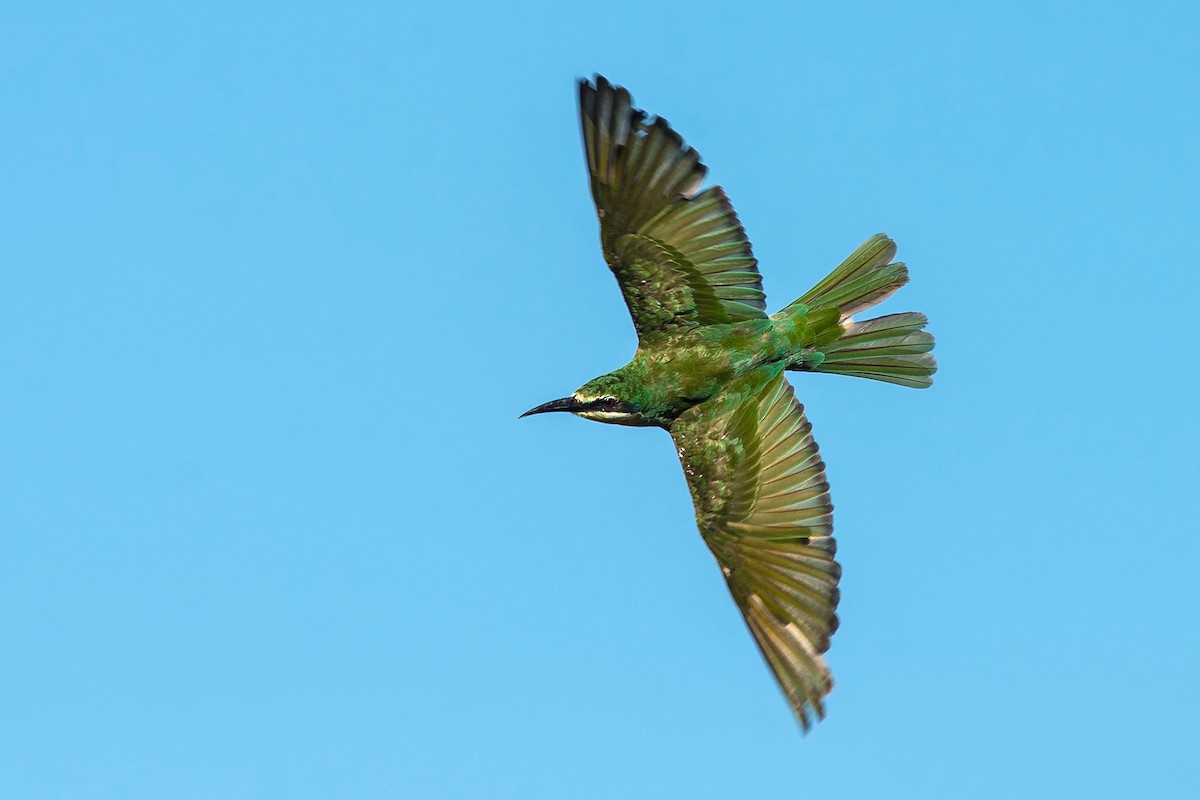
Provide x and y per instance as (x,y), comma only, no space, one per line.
(763,507)
(681,258)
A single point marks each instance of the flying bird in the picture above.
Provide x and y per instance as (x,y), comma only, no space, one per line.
(709,368)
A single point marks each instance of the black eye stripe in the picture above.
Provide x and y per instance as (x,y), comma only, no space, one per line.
(610,404)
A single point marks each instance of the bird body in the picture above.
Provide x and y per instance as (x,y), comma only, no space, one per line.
(709,368)
(671,375)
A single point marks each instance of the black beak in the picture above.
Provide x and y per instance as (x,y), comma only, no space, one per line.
(563,404)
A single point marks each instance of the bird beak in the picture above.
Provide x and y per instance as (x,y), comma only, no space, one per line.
(563,404)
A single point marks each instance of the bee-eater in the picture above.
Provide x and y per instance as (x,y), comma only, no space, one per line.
(709,369)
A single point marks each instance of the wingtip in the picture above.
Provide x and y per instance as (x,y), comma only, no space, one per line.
(596,85)
(601,85)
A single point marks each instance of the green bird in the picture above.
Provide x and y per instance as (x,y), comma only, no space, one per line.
(709,368)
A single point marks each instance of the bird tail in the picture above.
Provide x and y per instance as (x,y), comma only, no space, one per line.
(894,348)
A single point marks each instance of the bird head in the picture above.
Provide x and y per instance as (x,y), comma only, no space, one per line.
(604,399)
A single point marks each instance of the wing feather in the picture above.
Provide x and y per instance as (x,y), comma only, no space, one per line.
(680,255)
(762,505)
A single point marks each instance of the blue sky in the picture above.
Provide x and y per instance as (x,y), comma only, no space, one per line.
(279,279)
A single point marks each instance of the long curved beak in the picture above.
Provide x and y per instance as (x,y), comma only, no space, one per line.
(562,404)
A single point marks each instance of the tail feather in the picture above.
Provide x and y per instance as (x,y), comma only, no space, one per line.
(865,278)
(894,348)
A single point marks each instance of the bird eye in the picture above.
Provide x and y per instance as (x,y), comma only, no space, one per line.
(608,402)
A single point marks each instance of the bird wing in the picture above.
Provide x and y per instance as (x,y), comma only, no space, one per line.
(762,505)
(681,257)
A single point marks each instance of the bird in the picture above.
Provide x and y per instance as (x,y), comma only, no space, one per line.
(710,368)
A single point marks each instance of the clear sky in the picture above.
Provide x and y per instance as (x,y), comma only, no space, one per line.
(278,279)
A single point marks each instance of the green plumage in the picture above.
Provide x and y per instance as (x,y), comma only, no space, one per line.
(709,369)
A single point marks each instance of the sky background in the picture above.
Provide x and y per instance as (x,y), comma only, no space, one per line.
(277,280)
